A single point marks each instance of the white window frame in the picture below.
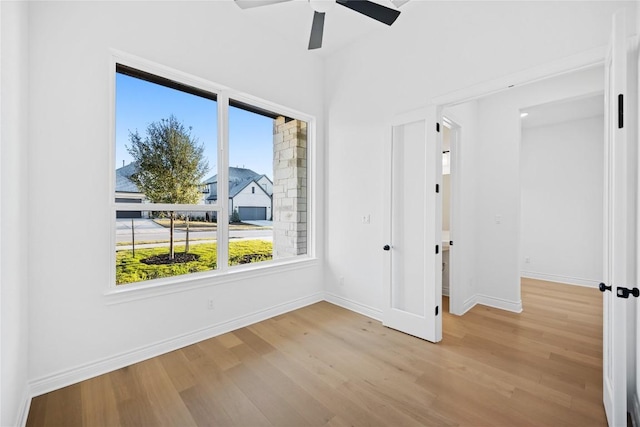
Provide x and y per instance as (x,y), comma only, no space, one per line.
(223,273)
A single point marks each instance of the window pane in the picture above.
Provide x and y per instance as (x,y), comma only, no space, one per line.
(165,127)
(166,152)
(267,186)
(143,245)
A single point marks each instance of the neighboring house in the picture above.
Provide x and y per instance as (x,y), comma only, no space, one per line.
(249,194)
(127,191)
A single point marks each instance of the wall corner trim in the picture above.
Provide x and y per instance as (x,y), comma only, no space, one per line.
(502,304)
(23,415)
(469,303)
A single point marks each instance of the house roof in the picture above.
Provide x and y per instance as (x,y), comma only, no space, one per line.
(236,174)
(239,178)
(123,179)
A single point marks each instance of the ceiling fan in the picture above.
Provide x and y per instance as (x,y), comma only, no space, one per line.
(371,9)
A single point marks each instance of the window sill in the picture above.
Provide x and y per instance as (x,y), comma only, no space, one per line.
(144,290)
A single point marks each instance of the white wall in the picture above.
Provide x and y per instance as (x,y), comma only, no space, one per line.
(401,69)
(73,331)
(562,196)
(14,224)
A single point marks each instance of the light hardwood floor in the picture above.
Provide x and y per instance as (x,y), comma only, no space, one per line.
(324,365)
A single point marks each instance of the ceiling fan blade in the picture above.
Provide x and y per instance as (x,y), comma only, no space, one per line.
(317,28)
(373,10)
(248,4)
(398,3)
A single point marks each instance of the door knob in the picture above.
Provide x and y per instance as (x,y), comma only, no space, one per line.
(625,292)
(386,247)
(604,287)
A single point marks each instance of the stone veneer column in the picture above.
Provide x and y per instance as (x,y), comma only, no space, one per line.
(289,187)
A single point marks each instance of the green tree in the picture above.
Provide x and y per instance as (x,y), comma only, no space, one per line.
(170,165)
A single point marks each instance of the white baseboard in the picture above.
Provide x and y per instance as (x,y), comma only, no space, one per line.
(635,410)
(502,304)
(560,279)
(80,373)
(24,408)
(469,303)
(357,307)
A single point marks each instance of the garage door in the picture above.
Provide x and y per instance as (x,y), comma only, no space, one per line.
(252,213)
(128,214)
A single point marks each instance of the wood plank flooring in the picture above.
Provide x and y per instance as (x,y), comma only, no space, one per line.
(324,365)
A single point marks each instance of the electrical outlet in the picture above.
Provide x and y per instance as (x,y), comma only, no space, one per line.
(366,219)
(210,304)
(498,219)
(527,260)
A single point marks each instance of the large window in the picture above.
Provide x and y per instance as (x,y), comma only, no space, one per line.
(176,215)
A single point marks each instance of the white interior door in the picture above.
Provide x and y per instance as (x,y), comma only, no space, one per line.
(413,247)
(615,307)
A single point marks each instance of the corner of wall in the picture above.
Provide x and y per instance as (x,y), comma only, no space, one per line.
(15,395)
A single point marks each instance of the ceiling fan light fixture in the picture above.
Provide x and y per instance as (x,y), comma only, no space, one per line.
(322,6)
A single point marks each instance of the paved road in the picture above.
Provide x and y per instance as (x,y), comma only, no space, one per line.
(147,230)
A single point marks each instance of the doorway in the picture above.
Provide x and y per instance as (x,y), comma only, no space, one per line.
(562,190)
(450,206)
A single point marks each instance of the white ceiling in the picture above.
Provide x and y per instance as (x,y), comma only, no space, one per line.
(564,111)
(292,20)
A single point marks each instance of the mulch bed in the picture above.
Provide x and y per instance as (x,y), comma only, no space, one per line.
(163,259)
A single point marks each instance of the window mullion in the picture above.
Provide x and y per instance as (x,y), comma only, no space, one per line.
(223,181)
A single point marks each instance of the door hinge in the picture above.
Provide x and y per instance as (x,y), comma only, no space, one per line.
(437,127)
(620,111)
(625,292)
(437,188)
(437,249)
(437,310)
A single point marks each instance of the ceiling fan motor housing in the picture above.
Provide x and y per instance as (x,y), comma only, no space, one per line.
(322,6)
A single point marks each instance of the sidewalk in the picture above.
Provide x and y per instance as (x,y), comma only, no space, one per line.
(140,225)
(259,223)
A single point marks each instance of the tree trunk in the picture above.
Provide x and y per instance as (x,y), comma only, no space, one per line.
(186,247)
(133,240)
(172,216)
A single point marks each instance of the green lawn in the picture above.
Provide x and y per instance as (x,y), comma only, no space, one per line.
(131,269)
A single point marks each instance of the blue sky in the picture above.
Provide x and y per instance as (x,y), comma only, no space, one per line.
(138,103)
